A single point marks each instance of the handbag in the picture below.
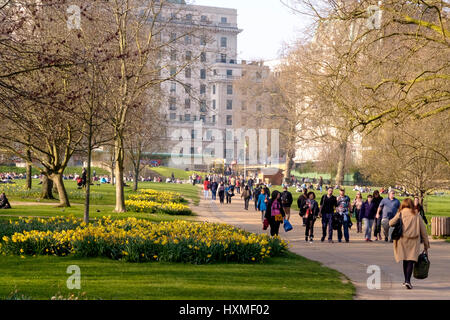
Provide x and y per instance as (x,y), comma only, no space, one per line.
(265,224)
(398,229)
(287,226)
(336,221)
(422,266)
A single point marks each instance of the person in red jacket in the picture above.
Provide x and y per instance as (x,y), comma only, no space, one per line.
(206,187)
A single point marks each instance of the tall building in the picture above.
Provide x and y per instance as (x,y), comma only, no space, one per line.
(203,107)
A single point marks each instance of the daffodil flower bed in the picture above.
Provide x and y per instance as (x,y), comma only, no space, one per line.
(171,208)
(137,240)
(157,196)
(152,201)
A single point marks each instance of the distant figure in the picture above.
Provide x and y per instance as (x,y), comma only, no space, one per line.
(4,203)
(83,178)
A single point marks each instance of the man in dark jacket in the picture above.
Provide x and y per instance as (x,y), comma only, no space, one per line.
(368,213)
(286,200)
(301,205)
(328,204)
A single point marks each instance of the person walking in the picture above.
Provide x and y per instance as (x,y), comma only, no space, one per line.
(206,187)
(320,183)
(377,222)
(368,213)
(221,192)
(214,186)
(312,211)
(301,205)
(356,209)
(263,200)
(246,195)
(229,193)
(419,208)
(414,231)
(255,195)
(387,210)
(274,213)
(286,200)
(83,178)
(343,208)
(328,204)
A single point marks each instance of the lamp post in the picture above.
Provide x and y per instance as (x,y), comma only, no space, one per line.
(245,161)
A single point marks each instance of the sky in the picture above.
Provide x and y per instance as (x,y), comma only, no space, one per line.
(266,24)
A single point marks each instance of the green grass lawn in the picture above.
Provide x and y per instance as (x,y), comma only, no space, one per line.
(103,194)
(290,277)
(436,205)
(178,173)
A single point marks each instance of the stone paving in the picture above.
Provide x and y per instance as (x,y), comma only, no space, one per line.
(352,259)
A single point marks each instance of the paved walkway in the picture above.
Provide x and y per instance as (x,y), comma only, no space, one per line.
(351,259)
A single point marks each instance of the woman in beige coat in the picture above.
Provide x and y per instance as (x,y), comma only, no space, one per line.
(407,248)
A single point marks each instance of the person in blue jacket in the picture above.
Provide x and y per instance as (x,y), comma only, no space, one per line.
(368,212)
(263,200)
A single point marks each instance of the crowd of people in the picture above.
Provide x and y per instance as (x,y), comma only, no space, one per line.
(375,215)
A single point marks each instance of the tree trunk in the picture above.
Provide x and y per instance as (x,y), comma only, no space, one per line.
(118,170)
(341,163)
(289,164)
(47,186)
(88,178)
(29,178)
(62,193)
(136,171)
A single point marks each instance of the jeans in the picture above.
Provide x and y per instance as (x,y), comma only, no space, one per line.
(246,201)
(214,194)
(326,221)
(346,234)
(228,198)
(377,227)
(206,193)
(386,229)
(368,227)
(221,196)
(309,232)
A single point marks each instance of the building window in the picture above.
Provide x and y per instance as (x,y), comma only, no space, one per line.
(187,117)
(229,104)
(189,17)
(173,116)
(203,18)
(187,103)
(188,55)
(229,73)
(229,89)
(203,74)
(187,40)
(214,88)
(173,71)
(202,105)
(223,58)
(192,150)
(223,42)
(213,119)
(187,88)
(244,106)
(203,40)
(203,57)
(192,134)
(173,87)
(187,72)
(259,108)
(223,20)
(203,89)
(214,104)
(202,118)
(172,103)
(173,55)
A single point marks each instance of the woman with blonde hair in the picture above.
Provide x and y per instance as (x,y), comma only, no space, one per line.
(407,248)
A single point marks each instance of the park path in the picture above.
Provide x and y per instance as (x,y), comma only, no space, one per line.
(352,259)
